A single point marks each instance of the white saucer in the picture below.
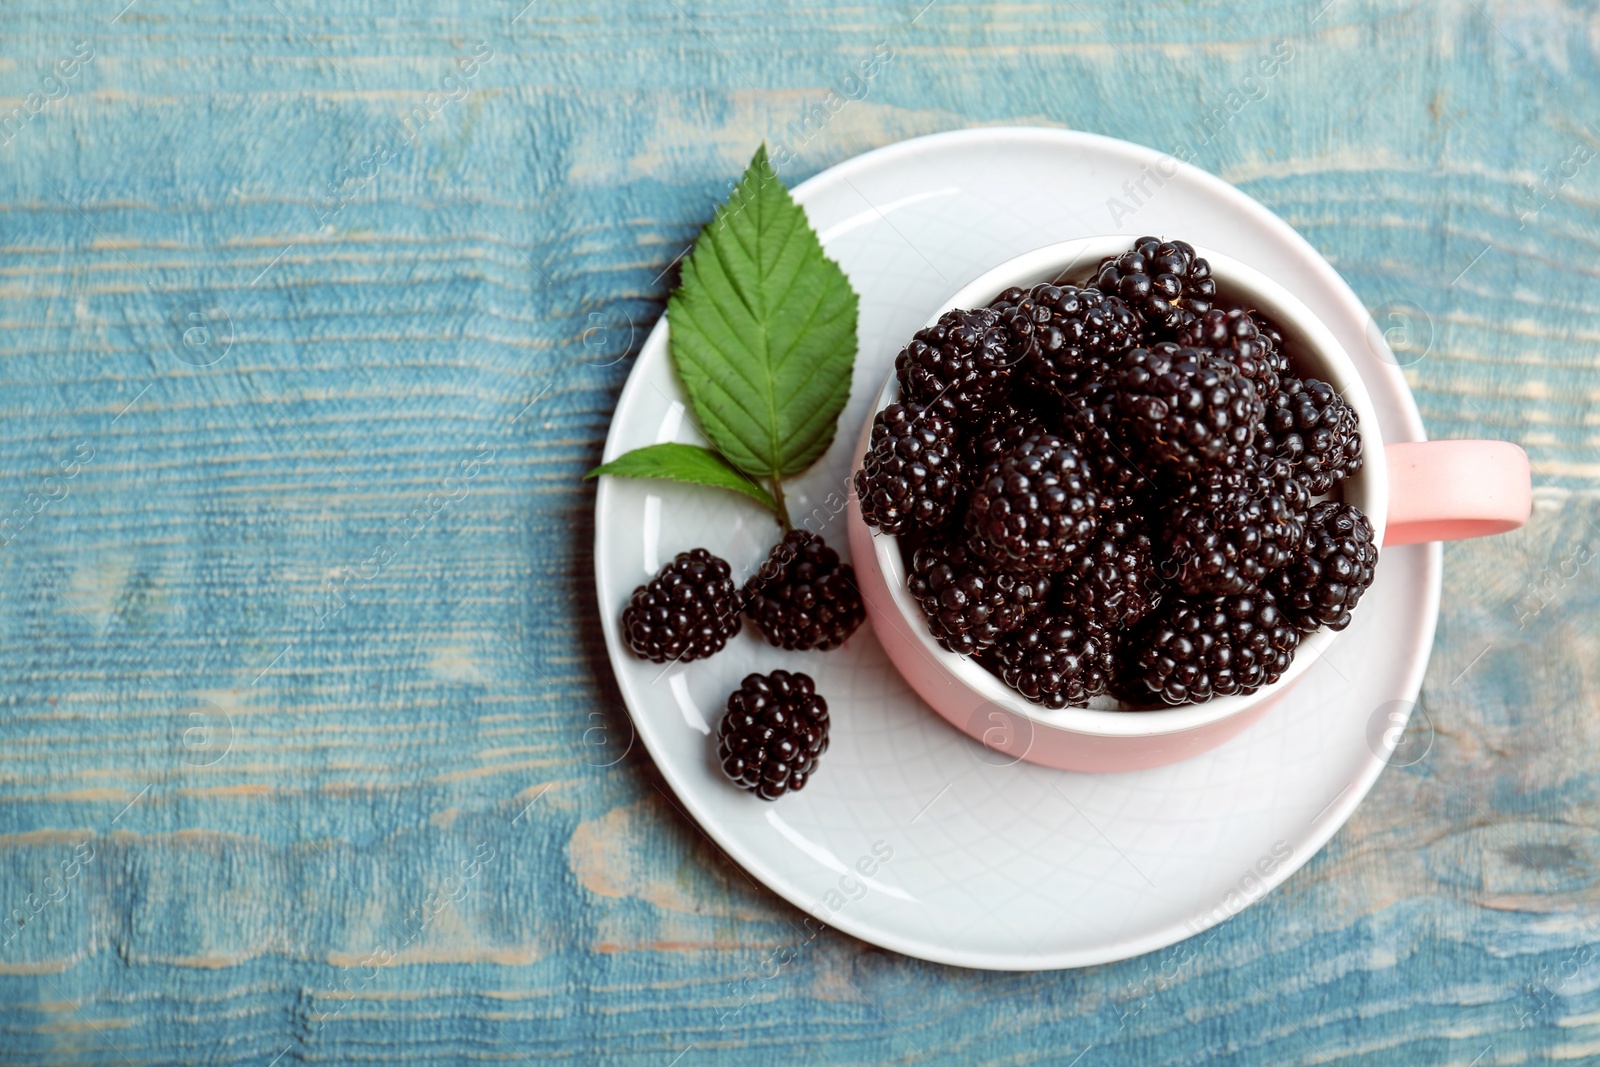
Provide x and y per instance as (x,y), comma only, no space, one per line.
(992,864)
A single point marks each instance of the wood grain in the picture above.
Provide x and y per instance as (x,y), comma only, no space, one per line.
(404,824)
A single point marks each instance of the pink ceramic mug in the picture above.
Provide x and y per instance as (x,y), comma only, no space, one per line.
(1418,491)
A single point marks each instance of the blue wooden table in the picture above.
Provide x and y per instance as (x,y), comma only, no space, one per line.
(313,314)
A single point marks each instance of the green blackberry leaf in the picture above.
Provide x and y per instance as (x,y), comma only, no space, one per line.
(763,330)
(685,463)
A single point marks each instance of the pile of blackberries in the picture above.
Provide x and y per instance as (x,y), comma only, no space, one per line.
(1119,487)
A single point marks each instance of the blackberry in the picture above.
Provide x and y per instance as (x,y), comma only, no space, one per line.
(1218,329)
(1064,336)
(1112,580)
(1191,650)
(687,612)
(1322,585)
(803,597)
(1309,424)
(1033,505)
(1235,336)
(1227,531)
(912,470)
(772,734)
(969,605)
(1008,427)
(1185,410)
(1090,421)
(959,365)
(1056,660)
(1271,334)
(1164,281)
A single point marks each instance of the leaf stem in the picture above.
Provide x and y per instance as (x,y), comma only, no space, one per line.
(782,511)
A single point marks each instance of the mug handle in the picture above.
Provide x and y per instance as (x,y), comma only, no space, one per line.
(1448,490)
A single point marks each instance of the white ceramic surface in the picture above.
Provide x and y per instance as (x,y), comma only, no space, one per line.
(993,863)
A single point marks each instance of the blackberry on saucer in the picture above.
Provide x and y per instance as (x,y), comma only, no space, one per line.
(1322,584)
(686,612)
(1032,505)
(1057,660)
(1309,424)
(1193,649)
(1184,410)
(959,365)
(912,470)
(774,731)
(803,597)
(970,605)
(1164,281)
